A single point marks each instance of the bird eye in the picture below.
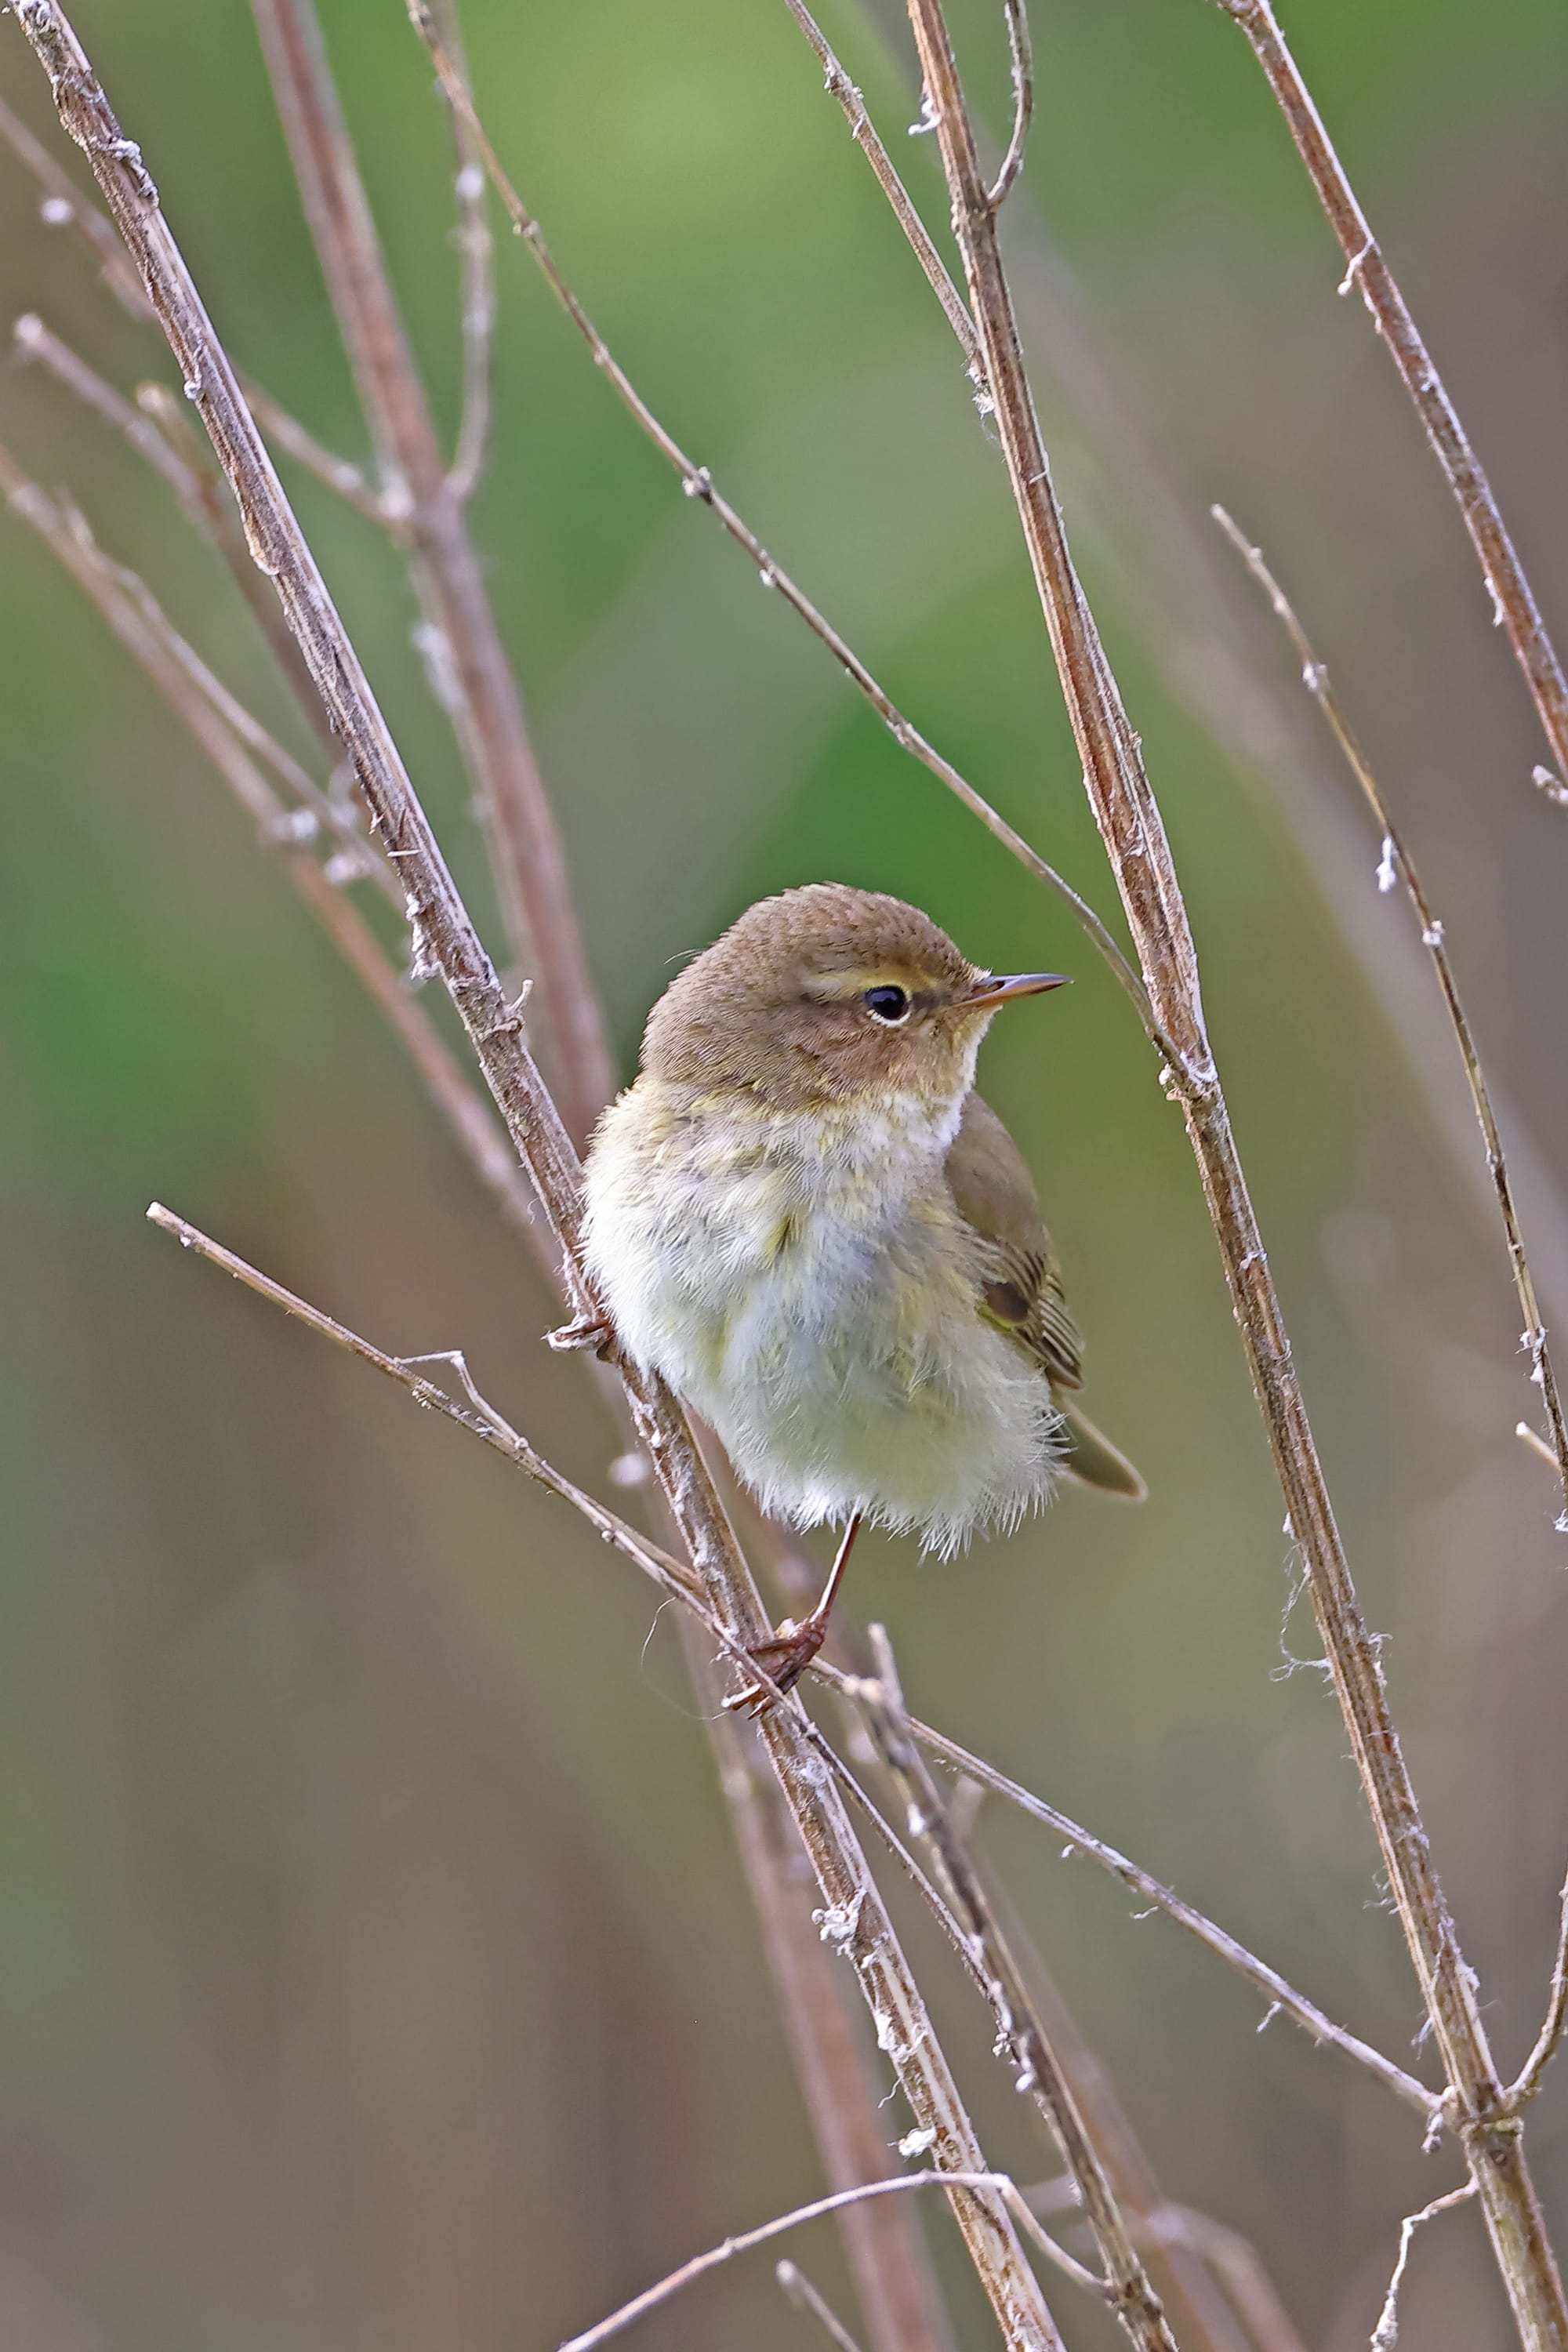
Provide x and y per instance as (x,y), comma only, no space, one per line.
(891,1006)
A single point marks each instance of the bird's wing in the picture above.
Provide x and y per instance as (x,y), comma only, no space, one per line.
(1020,1287)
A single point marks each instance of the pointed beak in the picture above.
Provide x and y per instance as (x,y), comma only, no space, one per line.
(1001,988)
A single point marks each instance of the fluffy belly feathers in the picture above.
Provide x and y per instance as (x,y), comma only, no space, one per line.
(826,1326)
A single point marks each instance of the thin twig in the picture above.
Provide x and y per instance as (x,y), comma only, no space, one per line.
(1235,2260)
(149,431)
(841,2079)
(1204,672)
(1385,2335)
(476,249)
(446,941)
(1396,861)
(1514,602)
(838,1927)
(1277,1991)
(1549,2039)
(1021,2038)
(351,482)
(479,1416)
(1023,64)
(473,1124)
(1000,2183)
(698,483)
(1133,831)
(62,206)
(863,130)
(485,704)
(798,2290)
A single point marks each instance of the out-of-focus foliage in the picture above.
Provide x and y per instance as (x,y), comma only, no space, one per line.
(375,1966)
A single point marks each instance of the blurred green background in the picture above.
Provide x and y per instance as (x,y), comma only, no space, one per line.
(374,1963)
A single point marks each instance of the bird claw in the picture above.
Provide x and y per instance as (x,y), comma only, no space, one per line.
(587,1331)
(783,1660)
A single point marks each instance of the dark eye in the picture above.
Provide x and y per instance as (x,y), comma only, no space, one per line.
(888,1005)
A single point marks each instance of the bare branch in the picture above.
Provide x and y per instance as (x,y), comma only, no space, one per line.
(1396,860)
(1277,1991)
(62,206)
(1549,2039)
(446,941)
(1236,2260)
(797,2289)
(206,711)
(487,708)
(157,436)
(836,2057)
(863,130)
(698,483)
(1134,834)
(1385,2335)
(1021,2038)
(475,247)
(698,2267)
(1017,14)
(1513,601)
(350,481)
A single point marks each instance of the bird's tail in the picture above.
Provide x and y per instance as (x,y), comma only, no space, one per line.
(1089,1457)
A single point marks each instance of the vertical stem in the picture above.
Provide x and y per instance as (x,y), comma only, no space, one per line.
(1133,832)
(1513,600)
(446,941)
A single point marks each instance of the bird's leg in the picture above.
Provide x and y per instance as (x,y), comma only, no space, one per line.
(786,1657)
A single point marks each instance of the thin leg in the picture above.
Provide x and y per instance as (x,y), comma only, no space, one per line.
(786,1657)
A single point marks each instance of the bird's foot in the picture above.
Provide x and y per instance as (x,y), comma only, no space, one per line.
(783,1660)
(587,1331)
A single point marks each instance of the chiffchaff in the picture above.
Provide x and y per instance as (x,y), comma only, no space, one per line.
(805,1219)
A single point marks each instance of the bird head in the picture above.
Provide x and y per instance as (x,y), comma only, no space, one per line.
(826,994)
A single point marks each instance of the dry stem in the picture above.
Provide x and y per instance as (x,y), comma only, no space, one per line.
(863,130)
(698,483)
(1513,601)
(1385,2335)
(1021,2032)
(999,2183)
(1396,860)
(135,621)
(1133,832)
(798,2290)
(531,868)
(445,941)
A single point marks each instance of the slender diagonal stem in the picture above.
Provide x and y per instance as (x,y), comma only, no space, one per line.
(1385,2335)
(476,247)
(1549,2039)
(699,483)
(1513,600)
(1021,52)
(445,943)
(1021,2034)
(1398,862)
(1277,1991)
(1134,834)
(749,2240)
(863,130)
(487,708)
(798,2290)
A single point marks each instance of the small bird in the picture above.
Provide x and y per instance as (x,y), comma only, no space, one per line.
(804,1217)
